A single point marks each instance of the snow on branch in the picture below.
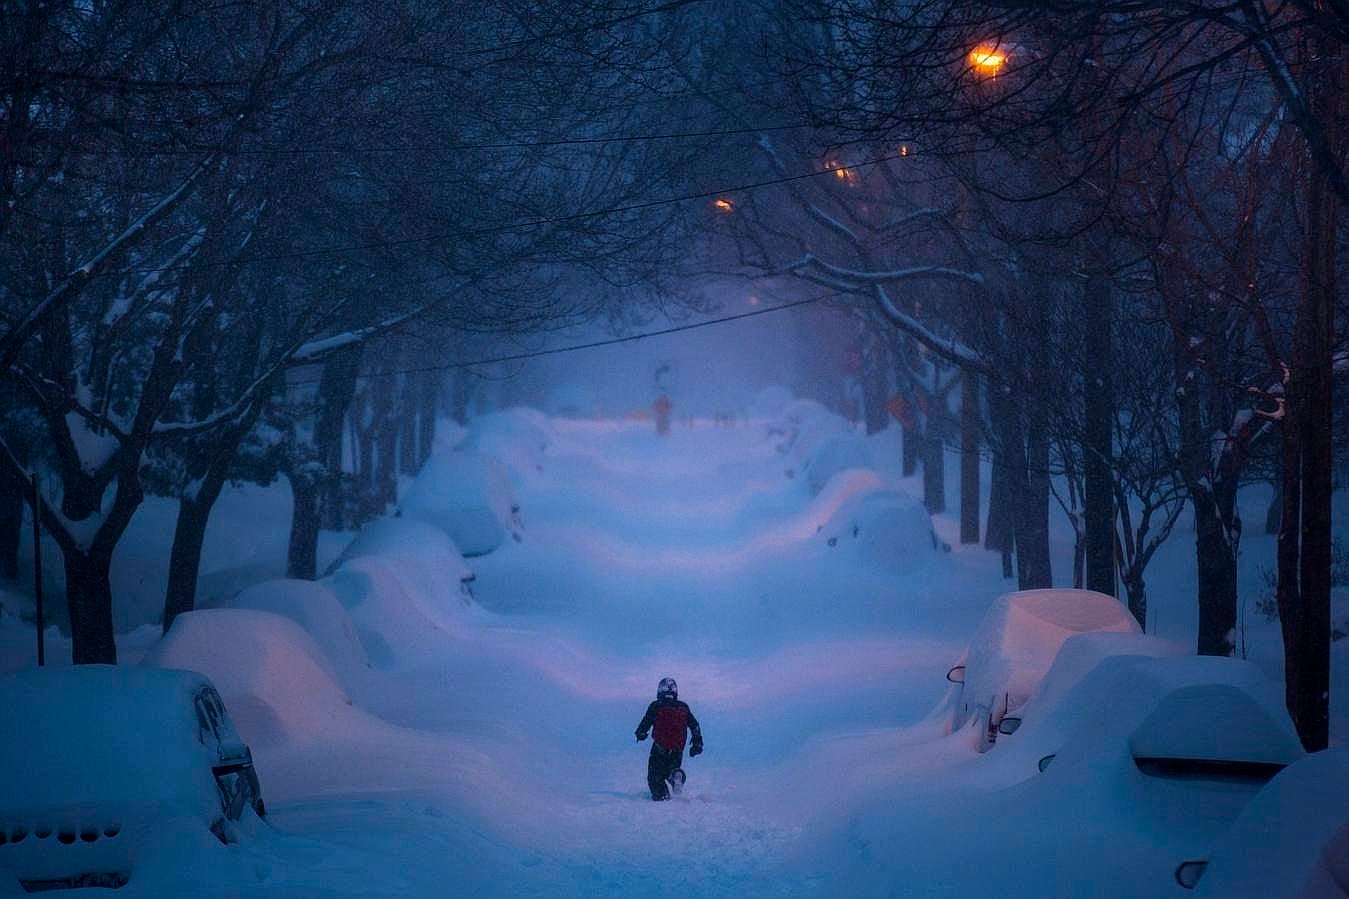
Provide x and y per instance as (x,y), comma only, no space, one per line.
(948,348)
(886,276)
(15,338)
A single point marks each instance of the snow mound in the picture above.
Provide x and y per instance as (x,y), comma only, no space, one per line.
(469,496)
(831,455)
(313,606)
(271,674)
(1019,636)
(517,437)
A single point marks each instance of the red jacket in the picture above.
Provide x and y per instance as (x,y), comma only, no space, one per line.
(672,721)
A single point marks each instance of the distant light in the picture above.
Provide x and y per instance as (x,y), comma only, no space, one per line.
(754,301)
(723,204)
(903,149)
(988,59)
(841,172)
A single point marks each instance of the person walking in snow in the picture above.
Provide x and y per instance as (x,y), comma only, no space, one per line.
(672,721)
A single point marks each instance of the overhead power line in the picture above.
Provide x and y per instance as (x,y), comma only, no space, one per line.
(594,344)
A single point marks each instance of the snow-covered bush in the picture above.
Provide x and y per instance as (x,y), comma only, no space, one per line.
(313,606)
(273,676)
(469,496)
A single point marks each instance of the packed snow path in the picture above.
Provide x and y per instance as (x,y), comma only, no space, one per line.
(515,770)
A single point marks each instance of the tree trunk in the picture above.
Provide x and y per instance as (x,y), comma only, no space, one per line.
(89,598)
(11,525)
(1274,513)
(934,469)
(194,513)
(189,534)
(386,460)
(1216,554)
(969,458)
(1032,530)
(909,449)
(461,390)
(426,434)
(302,553)
(874,395)
(1137,592)
(337,389)
(409,407)
(1305,540)
(1098,442)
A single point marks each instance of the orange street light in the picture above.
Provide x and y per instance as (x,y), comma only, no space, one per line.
(987,59)
(723,204)
(841,172)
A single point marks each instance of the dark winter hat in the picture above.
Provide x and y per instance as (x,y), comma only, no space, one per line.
(667,687)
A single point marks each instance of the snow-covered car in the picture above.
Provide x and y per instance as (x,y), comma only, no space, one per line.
(1015,645)
(469,496)
(1151,746)
(97,760)
(1292,840)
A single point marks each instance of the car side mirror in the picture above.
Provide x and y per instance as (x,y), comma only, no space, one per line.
(1188,873)
(956,675)
(1008,726)
(234,752)
(1044,762)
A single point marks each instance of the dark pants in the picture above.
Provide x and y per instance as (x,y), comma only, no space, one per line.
(658,768)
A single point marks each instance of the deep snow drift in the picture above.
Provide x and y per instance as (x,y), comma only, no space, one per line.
(411,741)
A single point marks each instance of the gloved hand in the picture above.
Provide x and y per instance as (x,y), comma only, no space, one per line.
(640,736)
(695,749)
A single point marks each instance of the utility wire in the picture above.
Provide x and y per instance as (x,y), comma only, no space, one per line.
(516,357)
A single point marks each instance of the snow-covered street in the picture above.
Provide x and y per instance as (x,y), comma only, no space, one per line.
(486,747)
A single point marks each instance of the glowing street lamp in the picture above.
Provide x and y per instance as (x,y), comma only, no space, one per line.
(987,59)
(723,205)
(841,172)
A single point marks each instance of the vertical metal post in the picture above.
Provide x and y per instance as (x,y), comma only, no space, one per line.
(37,575)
